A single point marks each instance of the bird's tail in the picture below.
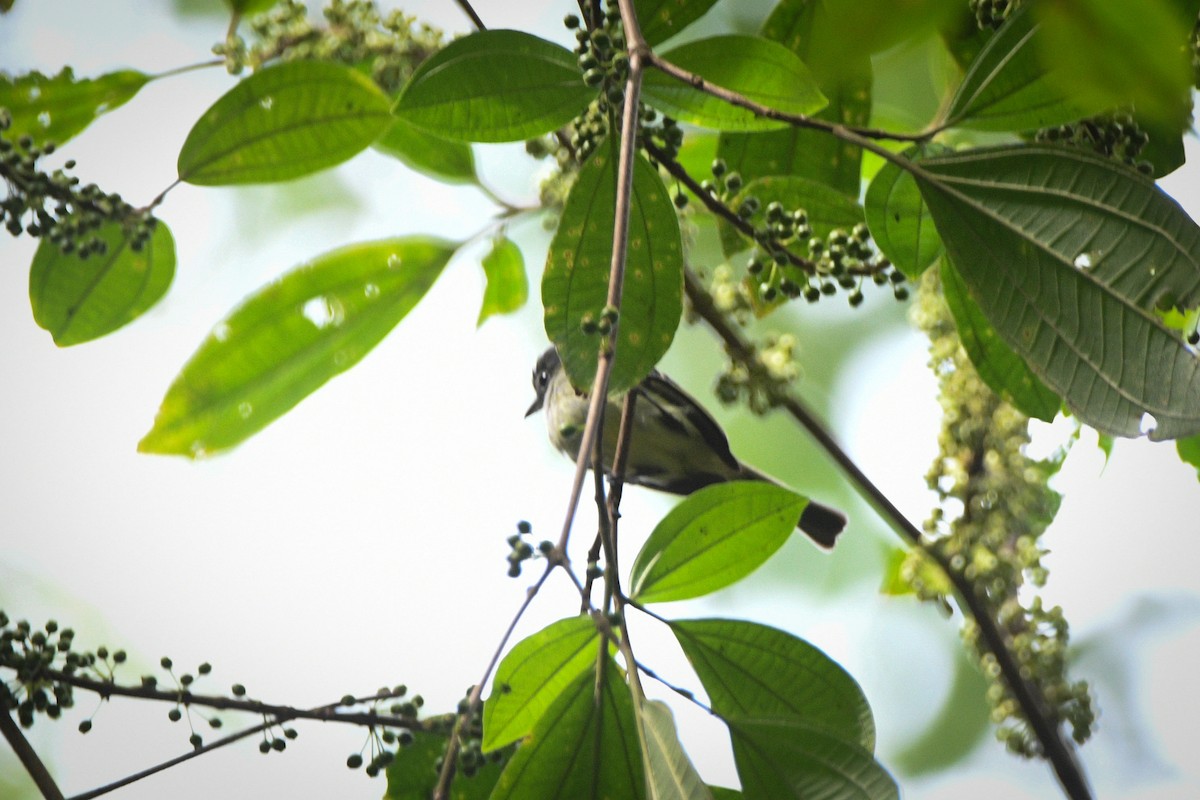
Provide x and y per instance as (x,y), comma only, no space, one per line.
(819,522)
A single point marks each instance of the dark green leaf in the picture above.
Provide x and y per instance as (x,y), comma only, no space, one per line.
(443,159)
(827,208)
(1120,54)
(672,776)
(723,793)
(1002,370)
(754,671)
(1189,451)
(248,7)
(507,287)
(1068,256)
(1009,87)
(283,122)
(495,86)
(575,281)
(899,220)
(534,674)
(779,759)
(414,773)
(662,19)
(759,69)
(716,536)
(80,299)
(55,109)
(578,749)
(289,338)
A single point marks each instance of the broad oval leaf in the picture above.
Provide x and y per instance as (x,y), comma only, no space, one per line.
(1001,369)
(670,773)
(585,745)
(442,159)
(575,280)
(495,86)
(1069,255)
(827,208)
(1010,87)
(507,286)
(81,299)
(289,338)
(532,676)
(283,122)
(716,536)
(899,220)
(54,109)
(781,759)
(662,19)
(755,671)
(759,69)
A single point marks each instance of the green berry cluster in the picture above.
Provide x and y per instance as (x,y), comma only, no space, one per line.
(604,66)
(384,744)
(54,206)
(1116,136)
(991,14)
(522,551)
(27,653)
(355,33)
(471,758)
(760,386)
(995,505)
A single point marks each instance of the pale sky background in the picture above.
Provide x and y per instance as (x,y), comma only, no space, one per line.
(359,541)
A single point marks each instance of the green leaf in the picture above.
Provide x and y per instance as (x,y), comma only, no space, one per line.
(827,208)
(1121,54)
(283,122)
(248,7)
(575,281)
(723,793)
(1009,87)
(755,671)
(899,220)
(495,86)
(844,77)
(80,299)
(534,674)
(55,109)
(671,774)
(289,338)
(413,775)
(442,159)
(716,536)
(1068,256)
(1189,451)
(1001,369)
(759,69)
(585,745)
(507,287)
(662,19)
(778,759)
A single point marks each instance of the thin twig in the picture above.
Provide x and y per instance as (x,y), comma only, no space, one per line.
(465,5)
(28,757)
(1059,751)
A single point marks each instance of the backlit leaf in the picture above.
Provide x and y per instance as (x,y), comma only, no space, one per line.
(443,159)
(283,122)
(662,19)
(671,774)
(289,338)
(899,220)
(507,286)
(54,109)
(80,299)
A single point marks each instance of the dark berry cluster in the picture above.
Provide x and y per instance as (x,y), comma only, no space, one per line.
(383,744)
(54,206)
(27,654)
(521,550)
(992,13)
(1116,136)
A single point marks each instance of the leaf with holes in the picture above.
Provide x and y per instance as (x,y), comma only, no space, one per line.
(289,338)
(759,69)
(81,299)
(495,86)
(54,109)
(1070,256)
(283,122)
(575,281)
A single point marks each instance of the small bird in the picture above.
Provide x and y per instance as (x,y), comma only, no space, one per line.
(676,446)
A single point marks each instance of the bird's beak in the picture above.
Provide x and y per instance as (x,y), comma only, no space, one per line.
(537,405)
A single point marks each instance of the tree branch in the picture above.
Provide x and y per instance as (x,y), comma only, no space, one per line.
(28,757)
(1058,750)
